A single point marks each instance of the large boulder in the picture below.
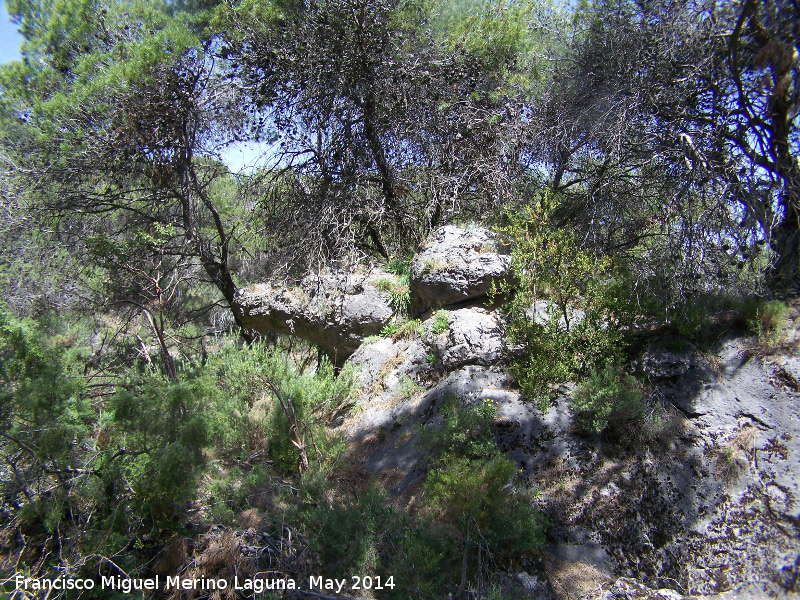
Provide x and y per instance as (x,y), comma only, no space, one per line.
(474,336)
(456,265)
(334,309)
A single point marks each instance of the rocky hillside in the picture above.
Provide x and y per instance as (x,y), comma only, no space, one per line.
(702,497)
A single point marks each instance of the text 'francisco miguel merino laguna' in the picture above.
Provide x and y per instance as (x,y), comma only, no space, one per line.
(127,585)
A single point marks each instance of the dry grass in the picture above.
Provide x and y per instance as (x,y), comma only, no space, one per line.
(389,366)
(219,557)
(351,477)
(573,581)
(250,519)
(433,266)
(224,554)
(731,460)
(172,558)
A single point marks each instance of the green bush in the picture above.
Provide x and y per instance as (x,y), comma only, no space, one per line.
(231,491)
(408,330)
(766,319)
(608,397)
(389,329)
(110,461)
(400,266)
(422,556)
(381,541)
(441,322)
(693,317)
(244,416)
(309,394)
(364,522)
(162,427)
(476,509)
(472,508)
(475,496)
(466,430)
(586,296)
(400,297)
(45,423)
(236,402)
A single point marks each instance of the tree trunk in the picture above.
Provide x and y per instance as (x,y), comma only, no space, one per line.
(784,275)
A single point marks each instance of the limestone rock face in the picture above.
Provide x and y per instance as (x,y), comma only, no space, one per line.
(674,358)
(454,266)
(334,309)
(715,478)
(539,313)
(474,337)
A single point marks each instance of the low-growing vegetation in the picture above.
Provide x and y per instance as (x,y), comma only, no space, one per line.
(608,397)
(441,322)
(399,291)
(766,320)
(222,444)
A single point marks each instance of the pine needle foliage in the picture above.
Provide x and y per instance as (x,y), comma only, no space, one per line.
(580,301)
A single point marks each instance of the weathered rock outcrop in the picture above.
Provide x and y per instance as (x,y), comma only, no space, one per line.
(456,265)
(338,309)
(474,337)
(704,498)
(630,589)
(333,309)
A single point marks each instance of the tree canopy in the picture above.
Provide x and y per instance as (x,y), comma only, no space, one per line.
(381,120)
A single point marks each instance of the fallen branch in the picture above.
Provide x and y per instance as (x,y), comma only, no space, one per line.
(298,441)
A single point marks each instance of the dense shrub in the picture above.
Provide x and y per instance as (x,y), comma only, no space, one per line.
(476,496)
(45,422)
(470,488)
(609,396)
(364,522)
(233,491)
(766,319)
(98,462)
(584,302)
(246,419)
(310,395)
(466,430)
(163,430)
(472,510)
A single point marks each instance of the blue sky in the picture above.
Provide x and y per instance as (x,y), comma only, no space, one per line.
(10,39)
